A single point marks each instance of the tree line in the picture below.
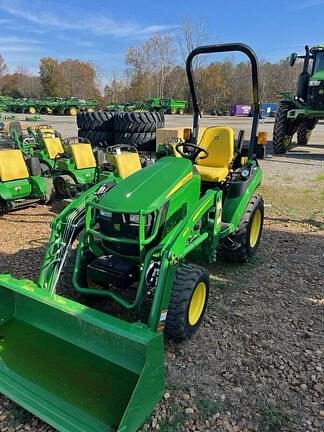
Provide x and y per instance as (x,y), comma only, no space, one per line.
(154,69)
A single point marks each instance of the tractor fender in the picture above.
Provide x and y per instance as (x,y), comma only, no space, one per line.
(5,192)
(234,208)
(80,176)
(39,185)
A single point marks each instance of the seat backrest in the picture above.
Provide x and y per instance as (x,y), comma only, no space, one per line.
(83,155)
(127,163)
(219,142)
(45,129)
(12,165)
(53,146)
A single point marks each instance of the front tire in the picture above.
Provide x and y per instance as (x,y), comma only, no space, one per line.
(242,245)
(188,301)
(281,139)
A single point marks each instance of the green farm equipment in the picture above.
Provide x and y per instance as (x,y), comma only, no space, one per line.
(56,106)
(71,163)
(168,106)
(79,167)
(20,182)
(302,112)
(80,368)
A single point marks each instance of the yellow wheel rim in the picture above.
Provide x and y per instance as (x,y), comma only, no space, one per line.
(90,109)
(49,110)
(73,111)
(255,228)
(197,303)
(32,110)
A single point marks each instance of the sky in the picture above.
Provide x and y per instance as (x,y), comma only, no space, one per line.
(102,30)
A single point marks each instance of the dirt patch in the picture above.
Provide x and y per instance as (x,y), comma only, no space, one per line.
(256,362)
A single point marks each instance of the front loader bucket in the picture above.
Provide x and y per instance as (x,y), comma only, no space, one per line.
(74,367)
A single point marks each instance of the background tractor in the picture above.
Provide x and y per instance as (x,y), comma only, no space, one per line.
(20,182)
(301,113)
(137,241)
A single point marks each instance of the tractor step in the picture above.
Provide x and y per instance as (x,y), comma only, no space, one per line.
(18,204)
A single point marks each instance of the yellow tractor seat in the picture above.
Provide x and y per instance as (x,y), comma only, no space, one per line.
(83,156)
(53,146)
(219,142)
(12,165)
(210,174)
(126,163)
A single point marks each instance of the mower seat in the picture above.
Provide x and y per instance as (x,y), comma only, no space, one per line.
(219,142)
(83,156)
(53,146)
(12,165)
(127,163)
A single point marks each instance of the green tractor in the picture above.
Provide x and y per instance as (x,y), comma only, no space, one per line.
(71,163)
(82,368)
(21,184)
(302,112)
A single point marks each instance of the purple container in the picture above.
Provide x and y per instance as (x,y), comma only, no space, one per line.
(240,110)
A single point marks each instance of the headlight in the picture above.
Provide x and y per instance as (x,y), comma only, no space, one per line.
(105,214)
(245,172)
(314,83)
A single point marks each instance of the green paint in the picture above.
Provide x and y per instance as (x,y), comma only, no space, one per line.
(67,372)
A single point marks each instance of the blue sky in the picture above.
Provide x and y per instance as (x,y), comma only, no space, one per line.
(101,31)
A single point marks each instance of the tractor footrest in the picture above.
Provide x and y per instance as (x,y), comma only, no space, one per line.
(15,205)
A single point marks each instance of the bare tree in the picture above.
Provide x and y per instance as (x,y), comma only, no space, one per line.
(190,35)
(3,66)
(150,65)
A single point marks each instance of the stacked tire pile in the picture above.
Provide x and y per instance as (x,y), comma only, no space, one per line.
(138,129)
(106,128)
(97,127)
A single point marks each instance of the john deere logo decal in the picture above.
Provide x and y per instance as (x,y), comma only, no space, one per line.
(117,227)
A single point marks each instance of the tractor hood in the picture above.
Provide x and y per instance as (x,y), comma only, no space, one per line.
(318,76)
(150,187)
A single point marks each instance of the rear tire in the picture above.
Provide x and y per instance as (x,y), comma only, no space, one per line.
(140,140)
(242,245)
(63,185)
(49,196)
(303,134)
(188,302)
(281,140)
(138,122)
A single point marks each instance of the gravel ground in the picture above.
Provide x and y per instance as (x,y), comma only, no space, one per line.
(256,363)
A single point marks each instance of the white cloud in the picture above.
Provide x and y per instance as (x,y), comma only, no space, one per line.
(98,25)
(306,4)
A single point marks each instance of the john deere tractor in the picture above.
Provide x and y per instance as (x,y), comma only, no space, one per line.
(21,184)
(301,113)
(71,163)
(137,240)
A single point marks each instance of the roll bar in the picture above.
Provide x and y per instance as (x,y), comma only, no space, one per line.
(208,49)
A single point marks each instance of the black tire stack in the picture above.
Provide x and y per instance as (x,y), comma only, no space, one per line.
(138,129)
(97,127)
(106,128)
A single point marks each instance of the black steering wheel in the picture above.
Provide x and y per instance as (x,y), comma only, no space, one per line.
(192,155)
(122,147)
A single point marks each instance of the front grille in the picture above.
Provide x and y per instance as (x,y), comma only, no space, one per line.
(315,97)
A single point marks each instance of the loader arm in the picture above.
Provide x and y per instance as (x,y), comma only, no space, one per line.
(64,229)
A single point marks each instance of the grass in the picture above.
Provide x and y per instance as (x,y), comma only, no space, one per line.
(288,179)
(319,178)
(291,202)
(17,415)
(174,421)
(207,407)
(274,419)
